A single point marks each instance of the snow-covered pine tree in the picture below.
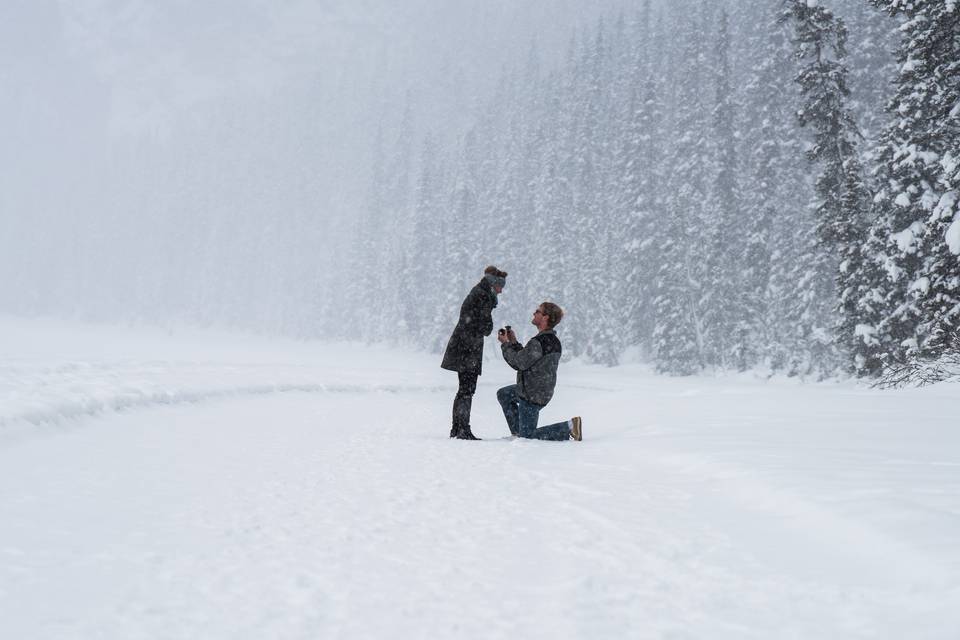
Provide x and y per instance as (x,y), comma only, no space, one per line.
(776,195)
(871,65)
(678,334)
(640,175)
(460,235)
(918,208)
(548,190)
(508,222)
(623,50)
(842,196)
(421,280)
(465,236)
(726,325)
(596,324)
(555,205)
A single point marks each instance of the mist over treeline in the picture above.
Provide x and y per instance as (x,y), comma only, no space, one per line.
(205,163)
(701,185)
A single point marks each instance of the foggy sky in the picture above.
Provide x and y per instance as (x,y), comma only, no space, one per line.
(107,106)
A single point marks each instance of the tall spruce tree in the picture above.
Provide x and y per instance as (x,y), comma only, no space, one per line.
(723,309)
(871,66)
(597,131)
(769,155)
(421,279)
(842,196)
(552,261)
(678,335)
(919,181)
(640,174)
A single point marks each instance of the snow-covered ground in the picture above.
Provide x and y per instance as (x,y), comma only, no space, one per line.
(198,485)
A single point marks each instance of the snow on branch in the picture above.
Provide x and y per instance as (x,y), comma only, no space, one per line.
(919,370)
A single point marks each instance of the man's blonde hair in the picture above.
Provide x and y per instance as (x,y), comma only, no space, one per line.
(553,312)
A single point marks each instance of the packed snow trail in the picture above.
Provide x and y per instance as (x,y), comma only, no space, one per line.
(694,508)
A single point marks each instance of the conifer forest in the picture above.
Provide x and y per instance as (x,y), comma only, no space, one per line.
(703,186)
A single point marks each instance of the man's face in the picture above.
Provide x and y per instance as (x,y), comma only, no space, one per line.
(538,317)
(498,289)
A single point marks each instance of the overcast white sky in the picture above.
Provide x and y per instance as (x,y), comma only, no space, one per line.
(79,77)
(154,56)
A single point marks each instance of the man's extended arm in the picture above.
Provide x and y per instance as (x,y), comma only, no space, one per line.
(522,358)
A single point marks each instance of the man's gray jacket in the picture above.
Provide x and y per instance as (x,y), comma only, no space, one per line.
(536,365)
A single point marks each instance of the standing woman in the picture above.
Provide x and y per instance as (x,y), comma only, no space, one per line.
(464,352)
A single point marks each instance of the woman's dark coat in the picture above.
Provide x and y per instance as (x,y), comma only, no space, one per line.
(465,349)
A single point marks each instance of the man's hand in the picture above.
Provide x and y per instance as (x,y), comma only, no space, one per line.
(502,336)
(511,336)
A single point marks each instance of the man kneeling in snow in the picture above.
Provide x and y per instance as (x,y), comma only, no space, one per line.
(536,365)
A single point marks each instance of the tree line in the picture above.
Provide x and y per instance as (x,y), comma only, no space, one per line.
(703,185)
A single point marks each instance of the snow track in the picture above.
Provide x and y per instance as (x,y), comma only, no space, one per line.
(55,411)
(331,504)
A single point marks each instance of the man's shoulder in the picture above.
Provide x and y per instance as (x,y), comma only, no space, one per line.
(549,342)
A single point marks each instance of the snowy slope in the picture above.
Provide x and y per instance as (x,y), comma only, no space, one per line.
(197,485)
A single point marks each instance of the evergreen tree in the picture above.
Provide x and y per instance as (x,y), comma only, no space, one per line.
(917,203)
(597,324)
(640,171)
(421,278)
(723,310)
(871,65)
(840,228)
(777,217)
(678,335)
(556,201)
(765,123)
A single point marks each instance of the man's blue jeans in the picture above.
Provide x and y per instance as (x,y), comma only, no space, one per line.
(522,417)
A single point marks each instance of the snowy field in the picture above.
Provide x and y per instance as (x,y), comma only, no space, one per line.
(192,485)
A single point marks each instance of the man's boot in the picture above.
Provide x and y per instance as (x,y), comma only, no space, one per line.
(576,428)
